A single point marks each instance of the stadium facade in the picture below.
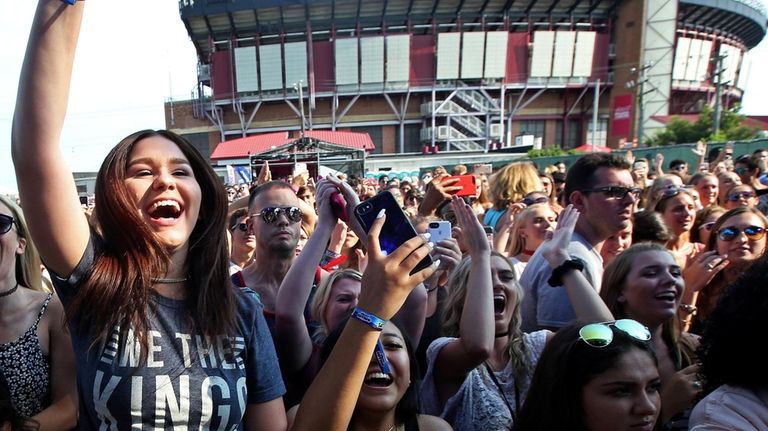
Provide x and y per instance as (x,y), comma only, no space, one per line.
(464,76)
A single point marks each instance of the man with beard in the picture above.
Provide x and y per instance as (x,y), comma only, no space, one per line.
(600,186)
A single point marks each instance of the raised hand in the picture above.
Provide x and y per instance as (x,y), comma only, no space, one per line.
(555,248)
(436,192)
(472,232)
(325,190)
(265,174)
(387,280)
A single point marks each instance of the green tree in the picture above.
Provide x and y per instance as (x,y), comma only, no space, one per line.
(679,131)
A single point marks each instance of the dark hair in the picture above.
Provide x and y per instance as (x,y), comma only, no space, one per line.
(236,215)
(649,226)
(117,288)
(409,406)
(675,163)
(729,351)
(580,176)
(554,401)
(275,184)
(751,162)
(702,215)
(712,244)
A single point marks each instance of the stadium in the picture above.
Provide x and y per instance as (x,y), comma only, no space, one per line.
(461,80)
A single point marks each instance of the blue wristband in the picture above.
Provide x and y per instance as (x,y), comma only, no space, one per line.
(369,319)
(69,2)
(381,358)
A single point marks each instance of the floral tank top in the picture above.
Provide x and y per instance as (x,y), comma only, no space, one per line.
(27,371)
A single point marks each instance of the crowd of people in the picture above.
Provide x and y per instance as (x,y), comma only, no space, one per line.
(605,295)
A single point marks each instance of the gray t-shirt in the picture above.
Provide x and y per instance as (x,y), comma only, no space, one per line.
(548,307)
(186,382)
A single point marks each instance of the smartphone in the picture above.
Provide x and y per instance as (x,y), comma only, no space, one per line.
(439,230)
(467,183)
(396,230)
(83,200)
(488,233)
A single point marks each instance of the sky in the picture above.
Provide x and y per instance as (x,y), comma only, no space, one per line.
(133,56)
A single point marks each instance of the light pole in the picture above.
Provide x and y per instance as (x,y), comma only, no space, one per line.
(642,79)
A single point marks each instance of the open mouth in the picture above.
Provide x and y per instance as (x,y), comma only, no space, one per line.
(378,379)
(669,295)
(499,303)
(165,209)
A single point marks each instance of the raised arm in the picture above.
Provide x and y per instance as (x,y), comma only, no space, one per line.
(46,185)
(585,300)
(476,328)
(292,340)
(330,400)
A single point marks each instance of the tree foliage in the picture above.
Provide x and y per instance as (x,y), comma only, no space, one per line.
(679,131)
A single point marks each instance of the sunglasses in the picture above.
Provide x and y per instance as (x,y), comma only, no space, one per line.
(708,226)
(753,233)
(271,214)
(243,227)
(538,200)
(600,334)
(741,195)
(5,223)
(672,191)
(616,192)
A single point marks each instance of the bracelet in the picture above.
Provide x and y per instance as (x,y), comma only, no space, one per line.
(430,289)
(70,2)
(574,263)
(369,319)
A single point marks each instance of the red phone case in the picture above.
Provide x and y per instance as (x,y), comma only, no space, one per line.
(467,183)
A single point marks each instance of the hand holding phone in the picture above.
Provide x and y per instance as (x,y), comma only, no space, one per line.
(439,230)
(396,230)
(467,184)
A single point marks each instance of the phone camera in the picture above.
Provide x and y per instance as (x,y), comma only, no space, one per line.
(365,208)
(434,225)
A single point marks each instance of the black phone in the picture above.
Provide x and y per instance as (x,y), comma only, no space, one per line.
(396,230)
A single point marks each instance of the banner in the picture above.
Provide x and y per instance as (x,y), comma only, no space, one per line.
(621,117)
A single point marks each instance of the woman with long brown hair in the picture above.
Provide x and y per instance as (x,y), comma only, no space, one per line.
(161,337)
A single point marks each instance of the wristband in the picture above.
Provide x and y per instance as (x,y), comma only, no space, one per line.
(69,2)
(369,319)
(574,263)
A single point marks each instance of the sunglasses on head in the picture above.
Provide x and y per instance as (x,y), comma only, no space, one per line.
(271,214)
(6,222)
(753,233)
(672,191)
(708,226)
(600,334)
(616,192)
(243,227)
(741,195)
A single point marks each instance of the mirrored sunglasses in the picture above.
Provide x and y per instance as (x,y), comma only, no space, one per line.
(271,214)
(753,233)
(600,334)
(6,222)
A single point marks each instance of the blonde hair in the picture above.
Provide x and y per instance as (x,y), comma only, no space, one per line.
(512,182)
(516,241)
(454,307)
(28,267)
(323,296)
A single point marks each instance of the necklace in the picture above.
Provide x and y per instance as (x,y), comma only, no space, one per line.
(169,280)
(9,291)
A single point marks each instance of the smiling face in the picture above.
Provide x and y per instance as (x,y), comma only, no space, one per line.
(679,213)
(615,244)
(652,288)
(160,179)
(708,190)
(505,293)
(741,248)
(382,392)
(625,397)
